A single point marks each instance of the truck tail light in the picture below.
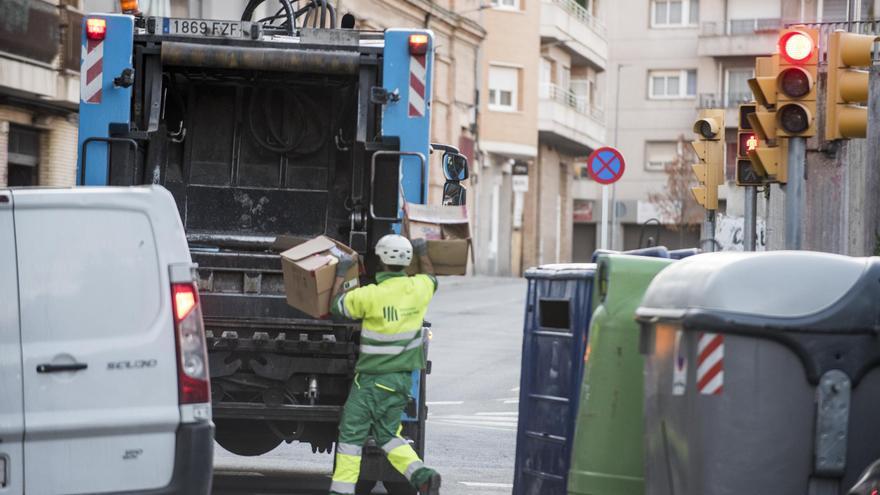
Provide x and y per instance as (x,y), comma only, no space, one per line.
(418,44)
(96,29)
(192,355)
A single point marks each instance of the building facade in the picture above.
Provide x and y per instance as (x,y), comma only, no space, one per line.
(541,115)
(39,91)
(668,60)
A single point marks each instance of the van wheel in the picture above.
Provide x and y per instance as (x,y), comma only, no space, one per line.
(247,438)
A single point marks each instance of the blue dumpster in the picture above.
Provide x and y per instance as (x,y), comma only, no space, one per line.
(558,308)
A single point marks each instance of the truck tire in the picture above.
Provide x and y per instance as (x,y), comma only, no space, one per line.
(246,438)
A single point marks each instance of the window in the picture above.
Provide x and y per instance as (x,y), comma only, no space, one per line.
(23,156)
(737,87)
(503,88)
(675,13)
(506,4)
(659,154)
(666,85)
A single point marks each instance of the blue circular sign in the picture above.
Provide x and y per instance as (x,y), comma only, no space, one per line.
(606,165)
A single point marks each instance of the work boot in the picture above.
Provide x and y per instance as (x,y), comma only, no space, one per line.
(431,486)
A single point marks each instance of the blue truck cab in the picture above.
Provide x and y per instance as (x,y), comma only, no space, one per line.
(266,132)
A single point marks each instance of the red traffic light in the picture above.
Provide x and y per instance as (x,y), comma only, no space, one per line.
(748,141)
(96,29)
(796,46)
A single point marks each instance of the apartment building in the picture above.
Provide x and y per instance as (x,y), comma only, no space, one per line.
(39,91)
(670,58)
(541,115)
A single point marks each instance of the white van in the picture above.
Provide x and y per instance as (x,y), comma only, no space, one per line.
(103,368)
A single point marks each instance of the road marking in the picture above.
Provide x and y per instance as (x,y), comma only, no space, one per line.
(512,401)
(475,484)
(445,403)
(487,420)
(515,389)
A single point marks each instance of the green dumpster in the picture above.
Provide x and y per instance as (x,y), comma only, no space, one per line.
(607,457)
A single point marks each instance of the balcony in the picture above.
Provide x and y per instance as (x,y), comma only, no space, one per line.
(568,121)
(575,28)
(730,102)
(40,54)
(738,37)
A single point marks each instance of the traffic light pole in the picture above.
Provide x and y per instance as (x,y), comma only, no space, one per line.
(709,231)
(794,192)
(750,223)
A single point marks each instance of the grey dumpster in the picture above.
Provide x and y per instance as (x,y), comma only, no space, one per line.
(761,374)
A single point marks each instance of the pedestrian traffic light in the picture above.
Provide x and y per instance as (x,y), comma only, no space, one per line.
(796,82)
(709,148)
(847,88)
(747,140)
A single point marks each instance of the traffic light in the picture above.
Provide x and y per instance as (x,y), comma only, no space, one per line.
(763,119)
(847,87)
(747,140)
(796,82)
(709,148)
(767,158)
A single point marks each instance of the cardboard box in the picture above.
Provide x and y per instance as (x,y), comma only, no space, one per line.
(447,231)
(309,272)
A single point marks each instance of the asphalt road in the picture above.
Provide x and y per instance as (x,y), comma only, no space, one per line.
(472,401)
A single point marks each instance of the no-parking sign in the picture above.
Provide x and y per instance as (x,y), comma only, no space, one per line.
(606,165)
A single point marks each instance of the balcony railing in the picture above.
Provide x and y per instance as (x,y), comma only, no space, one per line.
(577,11)
(728,100)
(740,27)
(580,104)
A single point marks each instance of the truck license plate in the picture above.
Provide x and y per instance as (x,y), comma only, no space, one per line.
(204,27)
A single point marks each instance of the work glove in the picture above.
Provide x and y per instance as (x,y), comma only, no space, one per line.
(420,247)
(346,261)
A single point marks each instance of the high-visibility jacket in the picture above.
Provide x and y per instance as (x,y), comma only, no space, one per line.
(391,312)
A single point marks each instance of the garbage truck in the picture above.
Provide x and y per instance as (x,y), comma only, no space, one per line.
(268,131)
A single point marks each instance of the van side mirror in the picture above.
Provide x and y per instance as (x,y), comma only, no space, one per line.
(455,166)
(454,194)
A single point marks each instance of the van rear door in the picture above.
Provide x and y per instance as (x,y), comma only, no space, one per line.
(99,363)
(11,408)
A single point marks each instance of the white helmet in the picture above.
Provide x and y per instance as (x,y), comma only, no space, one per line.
(394,250)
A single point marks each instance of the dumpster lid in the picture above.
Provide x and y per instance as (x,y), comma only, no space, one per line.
(780,284)
(562,270)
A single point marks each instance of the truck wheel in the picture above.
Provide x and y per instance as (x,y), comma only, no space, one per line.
(247,438)
(364,487)
(399,488)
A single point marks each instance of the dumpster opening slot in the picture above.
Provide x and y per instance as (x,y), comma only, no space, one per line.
(554,313)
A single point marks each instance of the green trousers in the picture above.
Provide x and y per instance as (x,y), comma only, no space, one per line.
(374,407)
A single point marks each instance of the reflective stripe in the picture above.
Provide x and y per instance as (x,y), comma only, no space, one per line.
(393,444)
(342,487)
(390,350)
(412,468)
(387,337)
(348,449)
(342,307)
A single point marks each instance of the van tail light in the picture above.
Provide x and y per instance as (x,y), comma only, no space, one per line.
(192,355)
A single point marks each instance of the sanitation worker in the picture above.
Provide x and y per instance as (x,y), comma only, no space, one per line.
(391,312)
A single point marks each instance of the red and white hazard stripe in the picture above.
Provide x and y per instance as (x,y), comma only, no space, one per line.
(92,71)
(417,85)
(710,364)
